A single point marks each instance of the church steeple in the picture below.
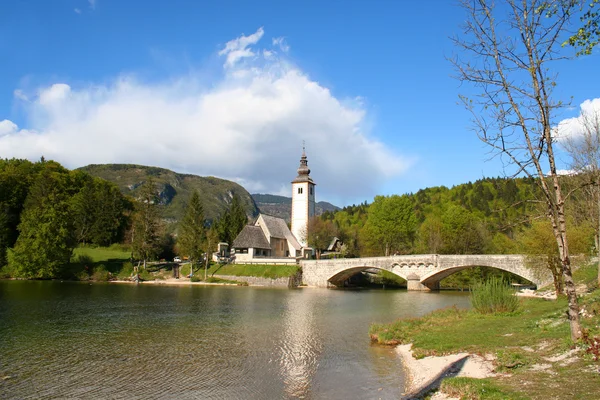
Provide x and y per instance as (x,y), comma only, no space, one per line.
(303,170)
(303,200)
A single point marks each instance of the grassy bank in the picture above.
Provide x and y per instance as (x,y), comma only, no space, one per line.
(531,346)
(261,271)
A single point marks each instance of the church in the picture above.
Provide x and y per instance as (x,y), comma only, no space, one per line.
(270,237)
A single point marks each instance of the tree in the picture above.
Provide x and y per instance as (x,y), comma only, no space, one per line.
(430,238)
(192,234)
(320,234)
(46,235)
(462,232)
(588,35)
(146,223)
(391,224)
(232,221)
(212,240)
(4,233)
(583,145)
(508,51)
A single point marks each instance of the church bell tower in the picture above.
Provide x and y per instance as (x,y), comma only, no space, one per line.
(303,200)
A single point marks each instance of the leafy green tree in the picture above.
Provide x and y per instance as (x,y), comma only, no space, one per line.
(4,234)
(462,232)
(46,238)
(232,221)
(391,224)
(212,240)
(146,224)
(430,239)
(320,234)
(16,178)
(588,35)
(192,233)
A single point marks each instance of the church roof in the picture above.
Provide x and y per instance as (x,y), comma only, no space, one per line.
(251,237)
(277,228)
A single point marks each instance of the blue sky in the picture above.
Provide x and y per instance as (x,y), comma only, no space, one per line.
(365,83)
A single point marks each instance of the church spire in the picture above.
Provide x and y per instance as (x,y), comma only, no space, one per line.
(303,170)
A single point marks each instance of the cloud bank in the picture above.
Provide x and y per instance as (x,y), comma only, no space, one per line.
(248,126)
(573,128)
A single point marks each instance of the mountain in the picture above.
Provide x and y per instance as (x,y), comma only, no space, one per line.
(281,206)
(175,189)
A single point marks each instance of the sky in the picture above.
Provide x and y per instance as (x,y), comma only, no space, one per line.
(234,88)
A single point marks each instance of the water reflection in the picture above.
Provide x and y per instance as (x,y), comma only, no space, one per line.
(301,347)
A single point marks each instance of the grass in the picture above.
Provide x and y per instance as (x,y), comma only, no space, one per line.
(261,271)
(519,340)
(494,296)
(103,254)
(469,388)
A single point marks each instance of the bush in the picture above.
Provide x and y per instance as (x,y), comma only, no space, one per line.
(145,275)
(126,271)
(494,296)
(195,278)
(100,274)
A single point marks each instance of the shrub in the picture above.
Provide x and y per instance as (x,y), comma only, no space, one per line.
(494,296)
(145,275)
(100,273)
(195,278)
(126,271)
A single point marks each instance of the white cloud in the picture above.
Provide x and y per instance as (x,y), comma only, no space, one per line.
(281,43)
(92,4)
(20,95)
(7,127)
(249,127)
(54,94)
(237,49)
(574,127)
(77,11)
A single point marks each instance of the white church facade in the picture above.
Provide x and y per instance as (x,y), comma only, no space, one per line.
(269,237)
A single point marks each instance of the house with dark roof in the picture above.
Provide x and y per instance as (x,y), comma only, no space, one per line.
(268,237)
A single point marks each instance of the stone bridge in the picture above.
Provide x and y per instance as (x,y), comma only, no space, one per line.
(422,272)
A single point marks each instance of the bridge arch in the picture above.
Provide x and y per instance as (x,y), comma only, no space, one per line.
(340,277)
(433,278)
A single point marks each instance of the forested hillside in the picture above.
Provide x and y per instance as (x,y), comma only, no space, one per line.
(175,189)
(281,206)
(493,215)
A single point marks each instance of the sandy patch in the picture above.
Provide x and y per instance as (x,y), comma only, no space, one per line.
(548,295)
(563,356)
(427,373)
(543,367)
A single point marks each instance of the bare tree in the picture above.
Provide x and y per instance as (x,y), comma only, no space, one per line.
(506,51)
(583,145)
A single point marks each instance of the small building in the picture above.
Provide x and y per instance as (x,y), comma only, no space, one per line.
(268,237)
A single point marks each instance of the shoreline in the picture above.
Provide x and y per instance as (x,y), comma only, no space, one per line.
(426,374)
(172,282)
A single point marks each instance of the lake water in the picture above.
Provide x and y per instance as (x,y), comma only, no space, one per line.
(79,340)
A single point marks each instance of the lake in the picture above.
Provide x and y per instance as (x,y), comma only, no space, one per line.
(101,340)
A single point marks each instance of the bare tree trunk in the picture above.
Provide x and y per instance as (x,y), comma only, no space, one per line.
(206,266)
(598,236)
(509,47)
